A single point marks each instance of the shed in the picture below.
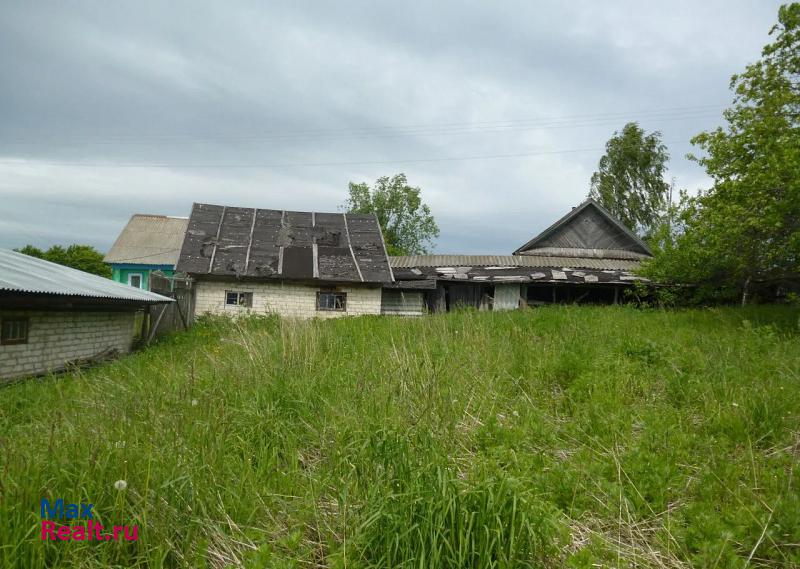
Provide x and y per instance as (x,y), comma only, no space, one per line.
(51,315)
(586,256)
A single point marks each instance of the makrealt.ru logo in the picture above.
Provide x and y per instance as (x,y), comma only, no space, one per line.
(91,531)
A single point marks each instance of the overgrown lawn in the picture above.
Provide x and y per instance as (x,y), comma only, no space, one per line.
(571,436)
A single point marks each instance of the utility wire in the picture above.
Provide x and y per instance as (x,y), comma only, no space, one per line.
(677,113)
(314,164)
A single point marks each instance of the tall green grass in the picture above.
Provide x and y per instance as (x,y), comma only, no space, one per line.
(566,436)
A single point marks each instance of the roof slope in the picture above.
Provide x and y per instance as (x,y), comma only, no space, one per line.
(24,274)
(589,230)
(149,240)
(511,261)
(275,244)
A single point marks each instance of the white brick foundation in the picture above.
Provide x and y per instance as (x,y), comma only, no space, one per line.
(284,299)
(56,338)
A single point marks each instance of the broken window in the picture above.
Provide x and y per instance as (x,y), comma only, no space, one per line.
(14,331)
(238,298)
(331,300)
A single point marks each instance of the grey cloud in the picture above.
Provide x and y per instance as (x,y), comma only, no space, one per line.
(248,83)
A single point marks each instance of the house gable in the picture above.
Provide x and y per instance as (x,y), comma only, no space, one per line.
(590,231)
(148,240)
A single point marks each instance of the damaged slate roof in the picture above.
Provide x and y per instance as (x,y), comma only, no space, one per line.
(288,245)
(407,276)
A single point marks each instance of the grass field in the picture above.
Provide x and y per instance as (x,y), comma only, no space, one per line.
(571,436)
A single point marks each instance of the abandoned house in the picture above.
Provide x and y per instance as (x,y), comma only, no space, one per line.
(148,243)
(587,256)
(301,264)
(52,316)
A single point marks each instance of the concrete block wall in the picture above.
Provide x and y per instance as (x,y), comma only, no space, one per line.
(285,299)
(56,338)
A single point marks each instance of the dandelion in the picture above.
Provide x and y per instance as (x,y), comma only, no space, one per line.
(194,402)
(120,485)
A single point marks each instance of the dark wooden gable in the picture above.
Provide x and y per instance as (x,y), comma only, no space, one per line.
(589,230)
(294,245)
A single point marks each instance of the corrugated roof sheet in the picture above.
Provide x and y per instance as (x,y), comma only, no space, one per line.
(511,261)
(580,253)
(22,273)
(149,240)
(274,244)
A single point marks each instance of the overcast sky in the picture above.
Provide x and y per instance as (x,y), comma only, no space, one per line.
(499,111)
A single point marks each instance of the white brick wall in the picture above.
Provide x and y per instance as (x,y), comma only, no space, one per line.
(285,299)
(55,338)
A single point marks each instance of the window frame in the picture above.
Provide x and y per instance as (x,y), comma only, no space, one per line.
(335,293)
(4,341)
(247,295)
(141,280)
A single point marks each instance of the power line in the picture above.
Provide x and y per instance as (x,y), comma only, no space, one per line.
(573,121)
(315,164)
(118,261)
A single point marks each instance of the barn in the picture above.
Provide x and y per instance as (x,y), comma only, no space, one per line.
(291,263)
(53,316)
(587,256)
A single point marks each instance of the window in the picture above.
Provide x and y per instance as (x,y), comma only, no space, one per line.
(135,280)
(236,298)
(14,331)
(330,300)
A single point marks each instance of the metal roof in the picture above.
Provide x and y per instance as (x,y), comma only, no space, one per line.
(149,240)
(22,273)
(289,245)
(511,261)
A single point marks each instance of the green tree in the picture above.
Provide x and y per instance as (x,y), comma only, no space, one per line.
(407,224)
(82,257)
(746,228)
(629,181)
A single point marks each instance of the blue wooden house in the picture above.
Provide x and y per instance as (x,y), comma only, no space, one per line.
(148,243)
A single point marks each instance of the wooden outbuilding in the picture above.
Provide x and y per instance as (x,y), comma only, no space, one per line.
(587,256)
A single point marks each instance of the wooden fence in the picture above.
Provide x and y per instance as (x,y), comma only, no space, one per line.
(163,318)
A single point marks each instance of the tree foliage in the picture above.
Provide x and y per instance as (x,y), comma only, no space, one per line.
(746,228)
(629,181)
(82,257)
(407,224)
